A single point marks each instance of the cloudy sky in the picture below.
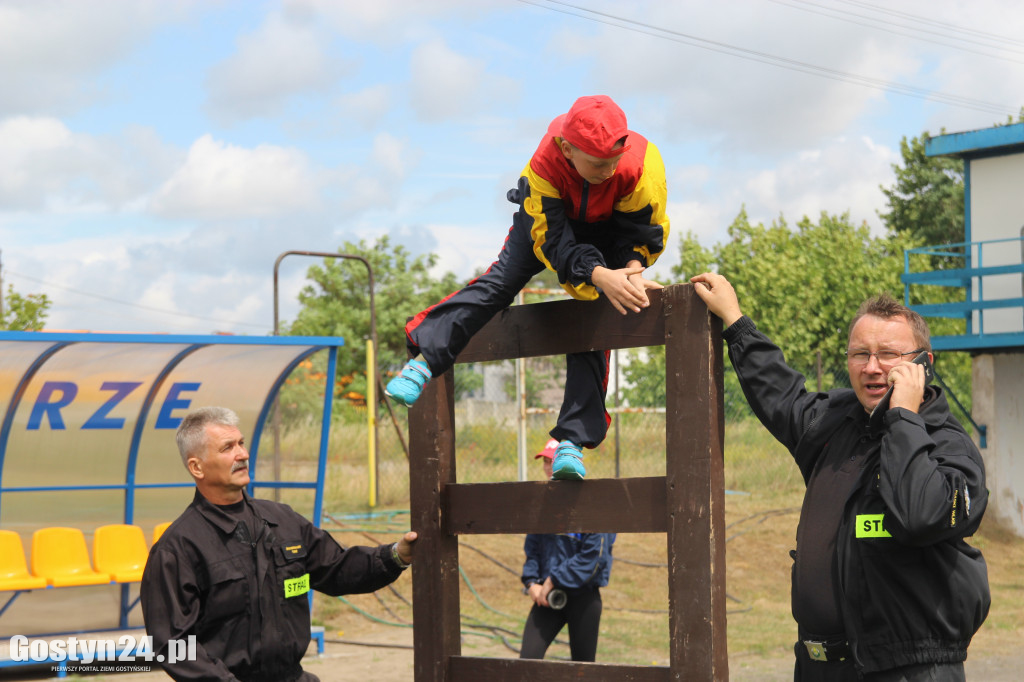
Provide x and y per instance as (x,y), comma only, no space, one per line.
(157,156)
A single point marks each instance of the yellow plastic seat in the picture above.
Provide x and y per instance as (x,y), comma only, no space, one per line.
(159,530)
(14,573)
(61,557)
(120,550)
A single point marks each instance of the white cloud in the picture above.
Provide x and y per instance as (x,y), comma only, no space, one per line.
(718,76)
(706,220)
(427,134)
(284,57)
(390,22)
(245,297)
(377,183)
(168,282)
(367,107)
(49,49)
(449,85)
(46,166)
(29,150)
(843,175)
(160,291)
(364,192)
(218,180)
(464,249)
(392,156)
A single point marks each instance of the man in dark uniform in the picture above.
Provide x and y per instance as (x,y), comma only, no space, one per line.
(235,572)
(885,587)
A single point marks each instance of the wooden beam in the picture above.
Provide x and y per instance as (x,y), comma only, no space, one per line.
(600,505)
(695,480)
(435,571)
(687,503)
(561,327)
(470,668)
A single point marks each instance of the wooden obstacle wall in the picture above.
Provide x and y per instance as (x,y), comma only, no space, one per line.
(687,504)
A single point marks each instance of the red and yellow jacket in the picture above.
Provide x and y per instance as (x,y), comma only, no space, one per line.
(576,226)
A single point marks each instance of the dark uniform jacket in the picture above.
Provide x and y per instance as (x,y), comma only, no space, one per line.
(909,589)
(247,601)
(572,560)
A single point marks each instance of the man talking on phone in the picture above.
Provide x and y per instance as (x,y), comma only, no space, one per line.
(885,586)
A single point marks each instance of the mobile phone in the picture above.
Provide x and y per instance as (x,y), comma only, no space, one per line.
(875,419)
(929,371)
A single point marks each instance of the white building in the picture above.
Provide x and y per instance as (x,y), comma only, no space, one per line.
(989,266)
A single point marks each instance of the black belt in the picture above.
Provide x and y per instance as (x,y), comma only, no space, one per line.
(827,651)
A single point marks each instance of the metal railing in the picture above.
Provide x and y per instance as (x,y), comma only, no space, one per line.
(990,275)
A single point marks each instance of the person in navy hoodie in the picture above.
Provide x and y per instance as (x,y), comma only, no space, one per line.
(563,575)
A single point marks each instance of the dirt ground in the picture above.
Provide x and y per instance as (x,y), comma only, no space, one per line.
(760,630)
(384,663)
(387,656)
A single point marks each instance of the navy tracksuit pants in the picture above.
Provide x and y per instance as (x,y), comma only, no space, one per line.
(582,613)
(442,331)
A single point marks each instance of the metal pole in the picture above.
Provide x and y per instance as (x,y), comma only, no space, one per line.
(615,354)
(818,357)
(373,339)
(325,437)
(371,399)
(521,403)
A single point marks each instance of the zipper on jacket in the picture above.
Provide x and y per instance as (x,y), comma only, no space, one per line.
(583,201)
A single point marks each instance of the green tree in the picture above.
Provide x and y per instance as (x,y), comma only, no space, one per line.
(337,303)
(927,200)
(644,373)
(693,258)
(545,279)
(24,313)
(800,286)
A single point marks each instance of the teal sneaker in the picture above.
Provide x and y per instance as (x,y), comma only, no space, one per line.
(568,463)
(407,386)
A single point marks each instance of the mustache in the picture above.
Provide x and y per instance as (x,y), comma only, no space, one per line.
(239,466)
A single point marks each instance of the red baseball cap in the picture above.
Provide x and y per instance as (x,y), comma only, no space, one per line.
(549,450)
(594,124)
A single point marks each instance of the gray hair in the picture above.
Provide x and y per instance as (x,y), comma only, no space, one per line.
(191,434)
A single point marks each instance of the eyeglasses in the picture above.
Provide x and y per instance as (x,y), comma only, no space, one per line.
(885,356)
